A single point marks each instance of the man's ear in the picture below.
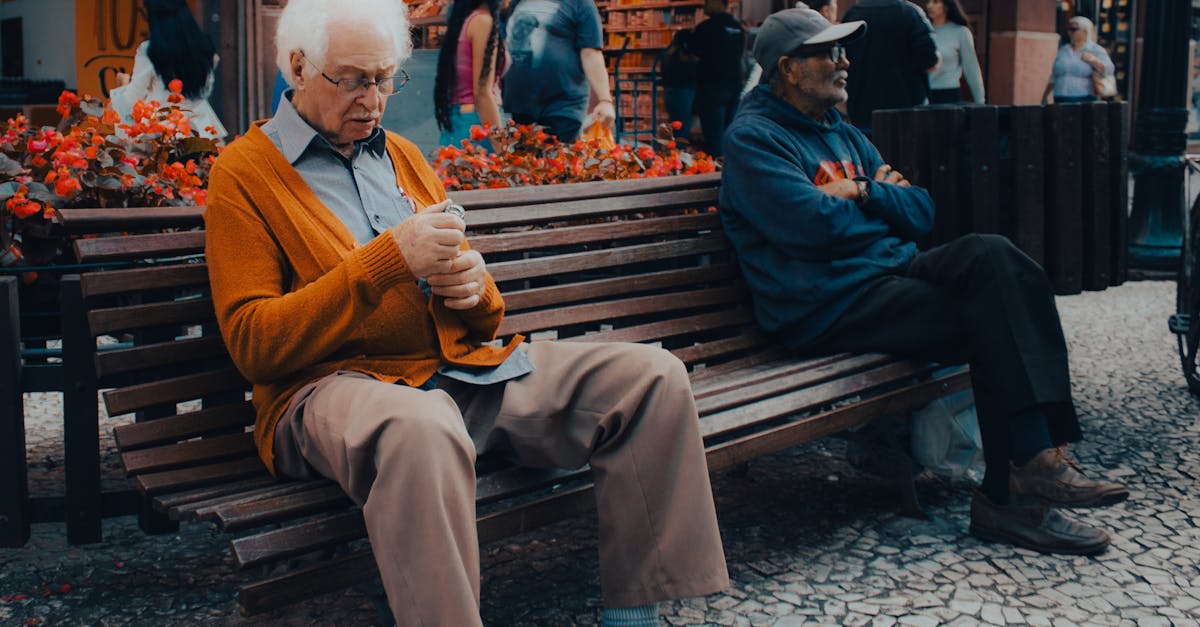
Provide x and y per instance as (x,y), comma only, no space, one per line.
(296,68)
(785,69)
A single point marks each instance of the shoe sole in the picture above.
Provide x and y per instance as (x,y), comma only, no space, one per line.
(1104,500)
(992,535)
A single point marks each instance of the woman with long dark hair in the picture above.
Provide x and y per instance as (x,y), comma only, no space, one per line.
(957,49)
(466,91)
(177,49)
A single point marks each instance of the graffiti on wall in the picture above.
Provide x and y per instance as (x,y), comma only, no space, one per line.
(107,34)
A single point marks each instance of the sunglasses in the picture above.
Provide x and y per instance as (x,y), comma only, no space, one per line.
(836,53)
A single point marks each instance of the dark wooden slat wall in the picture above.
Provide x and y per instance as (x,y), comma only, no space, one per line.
(945,155)
(1064,194)
(1097,197)
(1119,123)
(1052,179)
(1027,179)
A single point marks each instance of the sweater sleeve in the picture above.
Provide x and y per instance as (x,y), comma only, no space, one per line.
(271,332)
(792,213)
(922,47)
(970,64)
(907,210)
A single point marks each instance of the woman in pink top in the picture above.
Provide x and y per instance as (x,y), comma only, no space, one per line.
(466,91)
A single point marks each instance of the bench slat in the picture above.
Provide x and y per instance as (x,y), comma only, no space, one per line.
(589,233)
(805,399)
(155,483)
(540,194)
(99,220)
(136,279)
(614,310)
(558,295)
(189,453)
(751,384)
(656,331)
(720,349)
(167,502)
(139,435)
(770,355)
(135,247)
(132,398)
(187,311)
(836,420)
(247,515)
(210,507)
(160,354)
(605,258)
(274,545)
(307,582)
(567,210)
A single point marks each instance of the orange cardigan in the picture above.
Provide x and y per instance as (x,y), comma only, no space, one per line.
(297,298)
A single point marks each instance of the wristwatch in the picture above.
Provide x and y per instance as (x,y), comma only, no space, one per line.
(864,190)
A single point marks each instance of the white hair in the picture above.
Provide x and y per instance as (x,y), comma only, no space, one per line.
(304,26)
(1080,21)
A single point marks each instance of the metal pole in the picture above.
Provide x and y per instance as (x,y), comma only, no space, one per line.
(1157,161)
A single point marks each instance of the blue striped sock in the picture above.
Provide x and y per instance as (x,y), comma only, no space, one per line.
(641,616)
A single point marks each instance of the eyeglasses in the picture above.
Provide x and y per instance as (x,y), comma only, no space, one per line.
(836,53)
(350,87)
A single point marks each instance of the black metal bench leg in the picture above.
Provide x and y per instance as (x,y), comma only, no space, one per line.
(881,449)
(152,521)
(906,487)
(14,486)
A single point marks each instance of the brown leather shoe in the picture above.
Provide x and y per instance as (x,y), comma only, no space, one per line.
(1033,527)
(1053,480)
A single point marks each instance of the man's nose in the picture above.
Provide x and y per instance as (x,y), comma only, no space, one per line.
(370,97)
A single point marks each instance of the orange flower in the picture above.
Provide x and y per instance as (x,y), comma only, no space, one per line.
(66,185)
(175,86)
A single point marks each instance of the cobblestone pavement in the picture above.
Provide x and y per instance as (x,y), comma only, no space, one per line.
(809,538)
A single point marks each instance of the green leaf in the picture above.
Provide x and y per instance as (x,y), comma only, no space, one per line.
(9,167)
(91,107)
(8,189)
(111,183)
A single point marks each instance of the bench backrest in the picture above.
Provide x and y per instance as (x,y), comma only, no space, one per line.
(666,277)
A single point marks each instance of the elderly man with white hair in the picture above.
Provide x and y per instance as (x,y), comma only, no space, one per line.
(353,303)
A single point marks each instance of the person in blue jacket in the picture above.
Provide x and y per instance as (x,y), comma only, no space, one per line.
(825,233)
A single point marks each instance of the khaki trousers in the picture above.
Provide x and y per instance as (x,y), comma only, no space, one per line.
(407,456)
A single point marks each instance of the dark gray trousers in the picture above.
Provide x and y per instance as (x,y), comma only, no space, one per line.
(977,300)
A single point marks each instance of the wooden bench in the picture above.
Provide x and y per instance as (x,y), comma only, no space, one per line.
(639,261)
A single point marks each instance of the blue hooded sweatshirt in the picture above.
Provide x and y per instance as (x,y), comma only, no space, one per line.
(805,254)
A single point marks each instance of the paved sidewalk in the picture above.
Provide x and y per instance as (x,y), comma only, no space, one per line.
(809,538)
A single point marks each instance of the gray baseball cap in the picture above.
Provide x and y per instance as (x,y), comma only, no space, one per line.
(784,32)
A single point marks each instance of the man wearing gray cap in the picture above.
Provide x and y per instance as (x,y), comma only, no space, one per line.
(825,234)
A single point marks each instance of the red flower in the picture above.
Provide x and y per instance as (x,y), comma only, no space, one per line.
(175,86)
(478,133)
(677,125)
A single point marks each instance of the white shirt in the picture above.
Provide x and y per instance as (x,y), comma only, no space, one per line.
(145,84)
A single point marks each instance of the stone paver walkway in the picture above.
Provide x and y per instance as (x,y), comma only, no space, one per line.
(809,538)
